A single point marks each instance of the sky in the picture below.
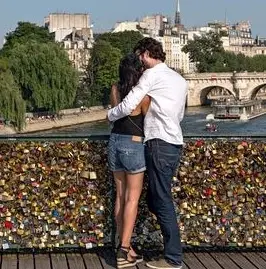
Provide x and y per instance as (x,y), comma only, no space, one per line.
(105,13)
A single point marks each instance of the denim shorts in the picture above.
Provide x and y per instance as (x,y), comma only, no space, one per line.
(126,153)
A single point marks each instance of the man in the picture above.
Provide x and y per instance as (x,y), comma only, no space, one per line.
(163,140)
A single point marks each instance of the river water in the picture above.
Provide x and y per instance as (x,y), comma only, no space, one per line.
(193,125)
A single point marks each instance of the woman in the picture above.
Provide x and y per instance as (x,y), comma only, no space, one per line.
(126,159)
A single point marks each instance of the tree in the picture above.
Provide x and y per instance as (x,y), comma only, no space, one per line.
(24,32)
(208,54)
(124,41)
(258,63)
(44,74)
(204,51)
(12,106)
(82,95)
(102,71)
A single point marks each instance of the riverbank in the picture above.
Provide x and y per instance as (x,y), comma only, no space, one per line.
(67,120)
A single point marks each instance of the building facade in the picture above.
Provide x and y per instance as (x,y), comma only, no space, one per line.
(59,21)
(74,32)
(173,42)
(78,47)
(126,26)
(172,38)
(237,38)
(152,25)
(240,34)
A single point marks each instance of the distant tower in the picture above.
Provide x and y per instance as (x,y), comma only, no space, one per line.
(225,17)
(177,14)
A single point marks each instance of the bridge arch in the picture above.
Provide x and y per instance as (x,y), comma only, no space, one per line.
(243,85)
(252,92)
(197,96)
(207,90)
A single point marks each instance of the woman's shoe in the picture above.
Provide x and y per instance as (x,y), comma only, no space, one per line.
(139,258)
(122,258)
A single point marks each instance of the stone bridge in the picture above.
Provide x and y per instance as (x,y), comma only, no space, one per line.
(242,85)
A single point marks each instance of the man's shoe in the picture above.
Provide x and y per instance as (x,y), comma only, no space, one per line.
(162,264)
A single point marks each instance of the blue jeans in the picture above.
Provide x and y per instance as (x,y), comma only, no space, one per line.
(162,160)
(126,153)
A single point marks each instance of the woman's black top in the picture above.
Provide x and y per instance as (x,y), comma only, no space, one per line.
(130,125)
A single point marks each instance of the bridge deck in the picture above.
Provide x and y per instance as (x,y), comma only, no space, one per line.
(105,259)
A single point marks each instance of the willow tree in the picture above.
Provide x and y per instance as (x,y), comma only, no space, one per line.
(24,32)
(44,74)
(12,106)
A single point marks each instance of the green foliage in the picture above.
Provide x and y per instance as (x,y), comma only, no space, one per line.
(124,41)
(208,54)
(258,63)
(102,71)
(204,50)
(223,33)
(44,75)
(82,95)
(106,61)
(12,106)
(24,32)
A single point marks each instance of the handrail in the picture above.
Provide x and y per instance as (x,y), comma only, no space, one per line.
(105,137)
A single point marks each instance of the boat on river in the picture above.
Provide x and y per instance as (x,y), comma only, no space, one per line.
(211,127)
(236,109)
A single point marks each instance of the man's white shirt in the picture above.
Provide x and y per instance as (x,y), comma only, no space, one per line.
(168,92)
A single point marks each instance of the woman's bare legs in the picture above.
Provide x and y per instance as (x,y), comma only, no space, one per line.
(134,183)
(120,181)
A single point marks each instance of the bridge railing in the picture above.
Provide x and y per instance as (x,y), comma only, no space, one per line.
(226,75)
(208,75)
(57,192)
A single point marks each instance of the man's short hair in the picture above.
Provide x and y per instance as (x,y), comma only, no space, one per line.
(153,46)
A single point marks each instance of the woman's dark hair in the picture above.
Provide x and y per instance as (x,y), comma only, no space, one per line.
(130,70)
(153,46)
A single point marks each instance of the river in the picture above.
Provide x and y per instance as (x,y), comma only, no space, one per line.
(193,125)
